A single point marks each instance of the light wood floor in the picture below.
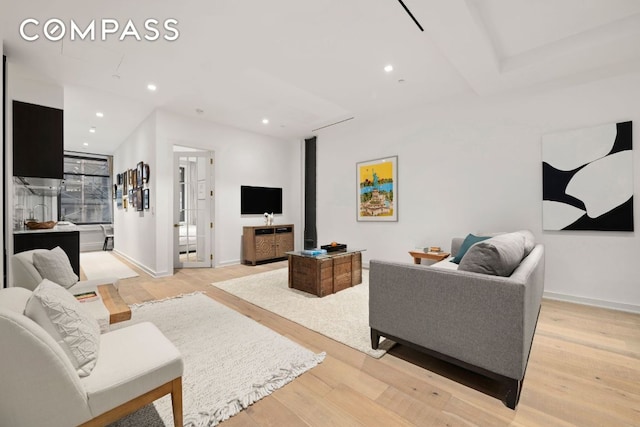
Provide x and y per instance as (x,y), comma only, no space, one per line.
(584,370)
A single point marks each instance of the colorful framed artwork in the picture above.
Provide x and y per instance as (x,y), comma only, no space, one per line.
(377,189)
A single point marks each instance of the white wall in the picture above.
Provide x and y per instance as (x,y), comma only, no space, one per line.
(241,158)
(135,231)
(476,165)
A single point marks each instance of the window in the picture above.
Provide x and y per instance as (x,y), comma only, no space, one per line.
(86,194)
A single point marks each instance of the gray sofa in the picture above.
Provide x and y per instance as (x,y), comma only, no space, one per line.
(481,322)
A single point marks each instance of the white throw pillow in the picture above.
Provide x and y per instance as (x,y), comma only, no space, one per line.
(63,317)
(55,266)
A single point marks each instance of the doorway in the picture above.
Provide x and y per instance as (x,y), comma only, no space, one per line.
(193,213)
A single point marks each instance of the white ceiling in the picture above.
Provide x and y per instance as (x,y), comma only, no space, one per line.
(307,64)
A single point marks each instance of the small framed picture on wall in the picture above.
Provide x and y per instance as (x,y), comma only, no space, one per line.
(146,198)
(139,173)
(145,173)
(138,198)
(134,179)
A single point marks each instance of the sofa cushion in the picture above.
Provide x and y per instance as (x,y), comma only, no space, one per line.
(529,241)
(63,317)
(55,266)
(469,241)
(497,256)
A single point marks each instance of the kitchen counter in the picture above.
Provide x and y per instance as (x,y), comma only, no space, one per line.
(58,228)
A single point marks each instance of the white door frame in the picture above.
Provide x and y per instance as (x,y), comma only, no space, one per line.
(203,191)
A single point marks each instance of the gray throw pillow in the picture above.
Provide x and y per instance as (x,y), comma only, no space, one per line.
(497,256)
(529,241)
(54,265)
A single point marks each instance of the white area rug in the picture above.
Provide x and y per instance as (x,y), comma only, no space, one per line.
(97,265)
(230,361)
(343,316)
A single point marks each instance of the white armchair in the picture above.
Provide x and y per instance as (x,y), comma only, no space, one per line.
(135,366)
(26,275)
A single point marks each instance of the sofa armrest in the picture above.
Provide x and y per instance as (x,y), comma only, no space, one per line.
(476,318)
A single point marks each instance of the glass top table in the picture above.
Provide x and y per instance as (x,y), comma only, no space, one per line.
(327,255)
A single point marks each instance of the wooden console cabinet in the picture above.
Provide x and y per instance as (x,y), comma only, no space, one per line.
(265,243)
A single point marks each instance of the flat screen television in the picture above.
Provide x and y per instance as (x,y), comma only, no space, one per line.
(258,200)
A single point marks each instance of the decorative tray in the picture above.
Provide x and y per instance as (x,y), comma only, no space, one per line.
(334,247)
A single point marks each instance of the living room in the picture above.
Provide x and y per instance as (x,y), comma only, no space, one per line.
(468,139)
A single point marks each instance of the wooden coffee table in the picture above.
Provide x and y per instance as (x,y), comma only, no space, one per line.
(119,311)
(418,256)
(325,274)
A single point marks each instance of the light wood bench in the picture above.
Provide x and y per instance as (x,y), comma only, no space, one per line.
(119,311)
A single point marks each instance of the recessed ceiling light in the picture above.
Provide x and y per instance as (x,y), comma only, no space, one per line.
(86,144)
(93,129)
(152,87)
(388,68)
(99,114)
(265,121)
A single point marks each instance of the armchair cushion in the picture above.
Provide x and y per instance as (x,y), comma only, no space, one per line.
(55,266)
(63,317)
(139,352)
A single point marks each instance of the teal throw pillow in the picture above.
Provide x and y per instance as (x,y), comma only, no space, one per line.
(469,241)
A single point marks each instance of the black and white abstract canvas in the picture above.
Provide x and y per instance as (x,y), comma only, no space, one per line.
(587,179)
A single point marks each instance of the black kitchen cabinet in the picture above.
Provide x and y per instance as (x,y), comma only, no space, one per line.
(69,241)
(37,141)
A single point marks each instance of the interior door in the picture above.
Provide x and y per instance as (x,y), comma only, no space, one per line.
(193,219)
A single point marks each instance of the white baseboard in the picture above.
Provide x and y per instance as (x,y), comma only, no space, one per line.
(226,263)
(91,247)
(143,267)
(631,308)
